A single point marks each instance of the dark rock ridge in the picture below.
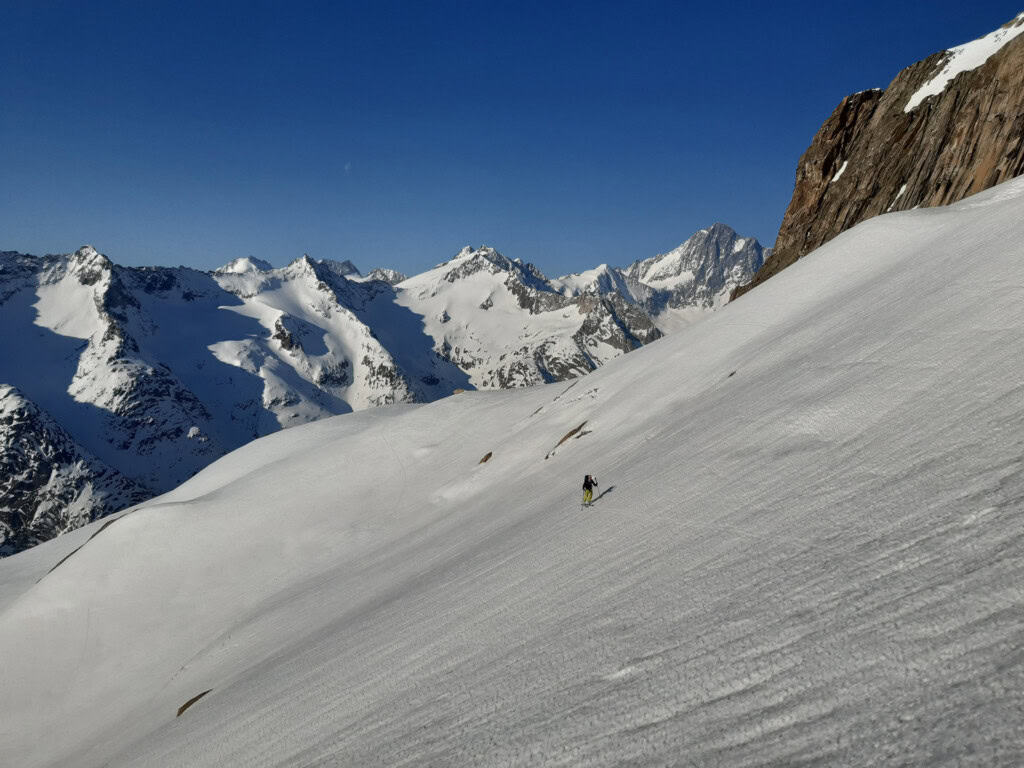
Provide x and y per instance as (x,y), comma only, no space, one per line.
(48,483)
(884,151)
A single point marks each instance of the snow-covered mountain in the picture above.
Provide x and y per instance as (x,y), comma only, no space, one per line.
(702,271)
(808,548)
(390,276)
(507,325)
(600,280)
(697,276)
(155,372)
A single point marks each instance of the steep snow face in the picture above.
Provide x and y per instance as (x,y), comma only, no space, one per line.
(315,355)
(504,323)
(66,349)
(964,58)
(69,295)
(807,547)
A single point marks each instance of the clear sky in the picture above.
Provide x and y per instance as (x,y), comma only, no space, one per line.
(393,133)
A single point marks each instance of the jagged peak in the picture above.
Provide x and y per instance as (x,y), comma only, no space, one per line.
(304,265)
(245,264)
(88,252)
(387,275)
(473,260)
(701,250)
(483,256)
(89,256)
(481,252)
(344,268)
(720,228)
(717,231)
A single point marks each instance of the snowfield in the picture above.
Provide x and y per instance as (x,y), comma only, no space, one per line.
(808,548)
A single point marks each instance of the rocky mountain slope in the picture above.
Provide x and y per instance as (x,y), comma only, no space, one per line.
(48,483)
(947,127)
(155,372)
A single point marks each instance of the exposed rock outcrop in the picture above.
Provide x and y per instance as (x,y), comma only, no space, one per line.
(48,483)
(939,133)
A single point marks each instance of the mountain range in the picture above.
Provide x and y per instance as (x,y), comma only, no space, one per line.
(123,382)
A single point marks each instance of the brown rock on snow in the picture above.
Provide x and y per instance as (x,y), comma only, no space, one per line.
(966,139)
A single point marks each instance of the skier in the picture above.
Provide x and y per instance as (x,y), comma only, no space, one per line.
(589,484)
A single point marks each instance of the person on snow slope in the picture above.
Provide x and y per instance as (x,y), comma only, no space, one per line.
(589,484)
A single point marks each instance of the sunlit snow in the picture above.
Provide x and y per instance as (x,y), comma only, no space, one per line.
(896,199)
(807,548)
(964,58)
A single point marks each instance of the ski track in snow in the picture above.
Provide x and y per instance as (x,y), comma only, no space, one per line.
(814,554)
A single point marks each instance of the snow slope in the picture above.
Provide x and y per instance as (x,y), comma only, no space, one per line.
(808,549)
(964,58)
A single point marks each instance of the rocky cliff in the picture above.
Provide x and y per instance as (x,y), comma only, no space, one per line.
(946,128)
(48,483)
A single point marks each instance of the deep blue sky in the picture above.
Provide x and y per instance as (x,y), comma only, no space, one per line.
(393,133)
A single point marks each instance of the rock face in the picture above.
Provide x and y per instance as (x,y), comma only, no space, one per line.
(945,128)
(48,483)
